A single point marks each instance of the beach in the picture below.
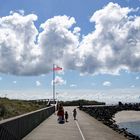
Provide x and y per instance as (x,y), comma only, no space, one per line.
(129,120)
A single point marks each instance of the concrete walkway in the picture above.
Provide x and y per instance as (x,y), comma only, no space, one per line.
(84,128)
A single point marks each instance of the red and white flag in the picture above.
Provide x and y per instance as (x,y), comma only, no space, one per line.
(56,68)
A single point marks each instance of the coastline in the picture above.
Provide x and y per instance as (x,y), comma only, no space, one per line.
(127,116)
(106,114)
(129,120)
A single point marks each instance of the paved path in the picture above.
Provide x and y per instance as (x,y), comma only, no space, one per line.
(84,128)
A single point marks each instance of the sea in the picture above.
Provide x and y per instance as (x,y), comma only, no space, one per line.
(129,120)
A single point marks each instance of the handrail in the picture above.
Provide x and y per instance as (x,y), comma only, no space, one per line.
(18,127)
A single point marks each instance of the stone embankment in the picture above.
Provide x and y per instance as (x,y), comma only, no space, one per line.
(106,114)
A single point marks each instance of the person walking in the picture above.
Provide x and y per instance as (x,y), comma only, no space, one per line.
(60,114)
(74,114)
(66,116)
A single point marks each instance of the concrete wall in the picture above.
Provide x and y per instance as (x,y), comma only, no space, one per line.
(18,127)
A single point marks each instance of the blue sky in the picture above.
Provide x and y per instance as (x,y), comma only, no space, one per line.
(97,43)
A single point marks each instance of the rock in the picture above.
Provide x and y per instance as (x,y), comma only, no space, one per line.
(106,114)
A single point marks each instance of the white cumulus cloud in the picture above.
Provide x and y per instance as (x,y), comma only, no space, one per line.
(38,83)
(113,45)
(107,83)
(59,81)
(18,52)
(132,86)
(31,52)
(73,85)
(137,78)
(58,42)
(14,82)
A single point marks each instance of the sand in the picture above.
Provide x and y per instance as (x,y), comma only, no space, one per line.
(127,116)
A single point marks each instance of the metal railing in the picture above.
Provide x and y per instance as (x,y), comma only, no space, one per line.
(18,127)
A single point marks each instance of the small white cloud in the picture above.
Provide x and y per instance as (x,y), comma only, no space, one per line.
(14,82)
(132,86)
(43,75)
(18,11)
(107,83)
(73,85)
(38,83)
(11,12)
(59,81)
(76,31)
(21,11)
(0,78)
(137,78)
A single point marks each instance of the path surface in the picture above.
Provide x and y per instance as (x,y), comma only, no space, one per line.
(84,128)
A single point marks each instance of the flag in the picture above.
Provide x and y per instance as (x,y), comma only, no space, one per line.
(57,68)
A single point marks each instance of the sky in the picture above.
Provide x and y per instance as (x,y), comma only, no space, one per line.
(95,42)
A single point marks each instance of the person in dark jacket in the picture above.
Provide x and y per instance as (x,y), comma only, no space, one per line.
(66,116)
(74,114)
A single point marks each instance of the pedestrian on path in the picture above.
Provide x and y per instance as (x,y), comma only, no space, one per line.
(74,114)
(60,113)
(66,116)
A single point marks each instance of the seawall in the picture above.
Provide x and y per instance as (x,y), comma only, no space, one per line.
(105,114)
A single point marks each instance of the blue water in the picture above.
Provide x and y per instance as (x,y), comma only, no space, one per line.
(132,127)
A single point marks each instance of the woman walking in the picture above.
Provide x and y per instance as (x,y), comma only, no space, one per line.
(74,114)
(60,114)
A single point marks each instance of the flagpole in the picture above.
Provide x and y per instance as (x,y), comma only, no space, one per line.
(53,84)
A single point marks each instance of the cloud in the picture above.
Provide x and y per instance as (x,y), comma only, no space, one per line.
(34,53)
(73,85)
(0,78)
(26,94)
(19,53)
(19,11)
(132,86)
(38,83)
(59,81)
(107,83)
(14,82)
(137,78)
(113,45)
(42,75)
(109,96)
(57,42)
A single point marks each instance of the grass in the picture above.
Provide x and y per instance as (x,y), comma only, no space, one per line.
(10,108)
(81,102)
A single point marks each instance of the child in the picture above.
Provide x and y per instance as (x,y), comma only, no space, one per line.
(66,116)
(74,114)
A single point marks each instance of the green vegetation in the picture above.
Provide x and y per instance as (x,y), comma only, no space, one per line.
(10,108)
(81,102)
